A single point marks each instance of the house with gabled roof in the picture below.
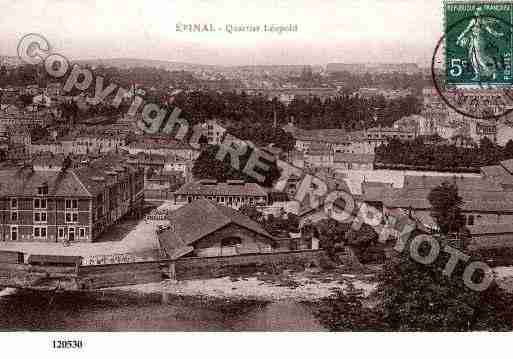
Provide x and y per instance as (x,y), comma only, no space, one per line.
(204,228)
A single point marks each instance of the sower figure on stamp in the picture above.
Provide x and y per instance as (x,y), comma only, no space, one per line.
(474,39)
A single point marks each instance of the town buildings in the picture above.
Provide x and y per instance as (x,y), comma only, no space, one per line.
(12,116)
(339,149)
(80,144)
(438,118)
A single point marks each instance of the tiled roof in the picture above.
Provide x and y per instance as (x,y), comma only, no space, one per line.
(198,219)
(80,181)
(25,182)
(221,189)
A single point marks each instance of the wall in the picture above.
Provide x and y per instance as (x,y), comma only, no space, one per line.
(55,213)
(190,268)
(251,242)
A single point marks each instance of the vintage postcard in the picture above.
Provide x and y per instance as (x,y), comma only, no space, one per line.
(274,166)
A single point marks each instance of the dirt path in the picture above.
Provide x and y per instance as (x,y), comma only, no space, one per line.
(297,286)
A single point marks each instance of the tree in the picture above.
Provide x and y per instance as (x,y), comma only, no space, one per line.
(343,312)
(332,234)
(207,166)
(26,99)
(362,239)
(420,297)
(38,132)
(446,208)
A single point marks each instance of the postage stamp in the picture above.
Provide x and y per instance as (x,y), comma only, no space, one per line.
(478,43)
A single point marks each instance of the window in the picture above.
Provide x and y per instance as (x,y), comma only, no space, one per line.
(39,216)
(14,203)
(39,203)
(40,232)
(470,220)
(230,242)
(14,216)
(60,233)
(72,217)
(42,190)
(81,232)
(71,204)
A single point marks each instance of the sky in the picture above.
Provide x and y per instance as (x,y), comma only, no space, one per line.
(327,30)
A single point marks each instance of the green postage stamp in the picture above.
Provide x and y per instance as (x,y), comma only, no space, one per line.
(478,42)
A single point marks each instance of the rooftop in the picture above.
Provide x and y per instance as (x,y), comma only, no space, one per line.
(81,181)
(478,201)
(25,182)
(203,188)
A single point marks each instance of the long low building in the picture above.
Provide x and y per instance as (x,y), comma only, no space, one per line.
(233,193)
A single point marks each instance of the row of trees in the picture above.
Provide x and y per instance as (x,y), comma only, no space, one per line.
(350,112)
(345,111)
(442,156)
(147,77)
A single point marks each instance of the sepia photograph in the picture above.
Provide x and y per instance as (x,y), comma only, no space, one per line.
(220,166)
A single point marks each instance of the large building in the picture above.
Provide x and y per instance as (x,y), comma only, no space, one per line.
(58,203)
